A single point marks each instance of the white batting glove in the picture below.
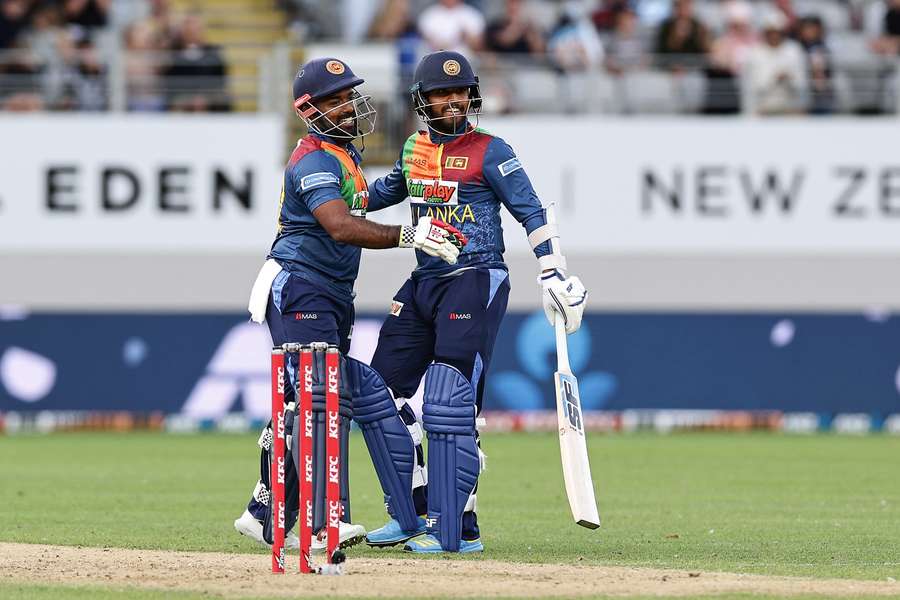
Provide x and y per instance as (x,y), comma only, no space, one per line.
(434,238)
(565,296)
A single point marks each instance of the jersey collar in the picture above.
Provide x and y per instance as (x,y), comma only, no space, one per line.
(346,145)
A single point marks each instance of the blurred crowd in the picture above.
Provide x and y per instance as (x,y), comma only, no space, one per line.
(60,55)
(762,56)
(775,55)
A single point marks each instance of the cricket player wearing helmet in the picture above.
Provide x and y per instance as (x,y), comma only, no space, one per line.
(444,320)
(304,291)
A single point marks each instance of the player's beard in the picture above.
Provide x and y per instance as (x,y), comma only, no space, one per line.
(449,120)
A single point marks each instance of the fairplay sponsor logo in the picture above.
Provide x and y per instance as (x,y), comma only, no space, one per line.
(433,191)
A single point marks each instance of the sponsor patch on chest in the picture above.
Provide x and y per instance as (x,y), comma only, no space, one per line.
(433,191)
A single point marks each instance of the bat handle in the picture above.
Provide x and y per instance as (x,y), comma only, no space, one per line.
(562,345)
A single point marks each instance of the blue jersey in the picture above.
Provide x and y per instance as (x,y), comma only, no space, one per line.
(462,180)
(317,172)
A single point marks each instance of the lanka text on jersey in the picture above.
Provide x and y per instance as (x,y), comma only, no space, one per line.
(462,180)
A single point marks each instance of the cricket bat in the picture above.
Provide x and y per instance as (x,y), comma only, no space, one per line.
(572,443)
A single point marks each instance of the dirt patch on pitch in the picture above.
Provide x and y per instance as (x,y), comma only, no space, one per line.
(246,575)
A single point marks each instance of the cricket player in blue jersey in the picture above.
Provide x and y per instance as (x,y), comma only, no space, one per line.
(304,291)
(444,320)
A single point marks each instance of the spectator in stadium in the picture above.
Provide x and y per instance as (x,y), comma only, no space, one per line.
(14,17)
(575,49)
(395,22)
(44,31)
(727,57)
(776,71)
(84,79)
(682,39)
(196,77)
(392,21)
(164,25)
(142,68)
(20,82)
(811,36)
(512,39)
(786,9)
(515,34)
(452,25)
(888,43)
(625,50)
(604,16)
(86,13)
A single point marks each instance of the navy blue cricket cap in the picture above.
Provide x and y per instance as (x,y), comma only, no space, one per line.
(443,70)
(322,77)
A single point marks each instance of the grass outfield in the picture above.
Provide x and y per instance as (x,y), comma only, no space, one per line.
(819,506)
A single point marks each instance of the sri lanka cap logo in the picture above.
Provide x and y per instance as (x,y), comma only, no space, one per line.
(335,67)
(451,67)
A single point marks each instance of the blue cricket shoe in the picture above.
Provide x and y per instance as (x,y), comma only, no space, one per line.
(391,534)
(429,544)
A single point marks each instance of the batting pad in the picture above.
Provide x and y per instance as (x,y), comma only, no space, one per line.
(453,461)
(389,442)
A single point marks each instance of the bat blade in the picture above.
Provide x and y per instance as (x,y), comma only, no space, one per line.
(573,451)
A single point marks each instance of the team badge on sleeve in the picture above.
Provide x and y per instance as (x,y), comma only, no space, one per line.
(509,166)
(396,307)
(318,180)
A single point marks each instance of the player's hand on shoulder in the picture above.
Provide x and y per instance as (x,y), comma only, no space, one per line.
(434,238)
(563,295)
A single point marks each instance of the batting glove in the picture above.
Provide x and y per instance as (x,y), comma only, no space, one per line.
(565,296)
(434,238)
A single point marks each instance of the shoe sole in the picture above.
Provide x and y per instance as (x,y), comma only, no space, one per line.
(392,543)
(347,543)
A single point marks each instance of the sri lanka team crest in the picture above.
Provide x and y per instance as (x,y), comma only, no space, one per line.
(456,162)
(451,67)
(335,67)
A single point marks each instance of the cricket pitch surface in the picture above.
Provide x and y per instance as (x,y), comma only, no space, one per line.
(248,575)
